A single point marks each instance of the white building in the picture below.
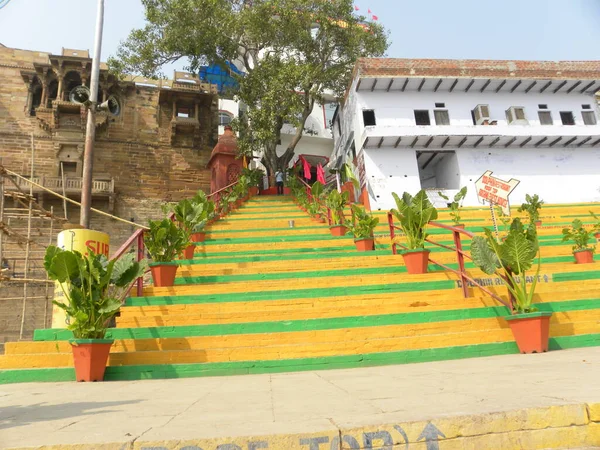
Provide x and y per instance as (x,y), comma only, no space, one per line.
(440,124)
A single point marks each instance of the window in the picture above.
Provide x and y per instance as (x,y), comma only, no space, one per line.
(545,117)
(369,117)
(567,118)
(543,106)
(225,118)
(422,117)
(586,106)
(69,168)
(441,117)
(589,118)
(183,111)
(440,105)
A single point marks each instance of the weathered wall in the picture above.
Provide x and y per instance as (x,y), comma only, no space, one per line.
(137,149)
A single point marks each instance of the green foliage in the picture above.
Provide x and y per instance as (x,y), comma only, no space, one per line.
(414,215)
(242,185)
(347,174)
(255,176)
(94,287)
(456,204)
(289,64)
(319,194)
(580,236)
(363,223)
(336,202)
(165,240)
(532,207)
(511,258)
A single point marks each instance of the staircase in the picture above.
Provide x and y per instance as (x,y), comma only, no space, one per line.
(262,297)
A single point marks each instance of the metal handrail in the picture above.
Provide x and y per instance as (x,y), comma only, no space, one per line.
(460,256)
(138,238)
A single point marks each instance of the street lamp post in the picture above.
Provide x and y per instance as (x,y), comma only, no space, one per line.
(90,132)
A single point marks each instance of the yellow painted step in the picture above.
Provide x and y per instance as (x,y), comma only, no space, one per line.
(340,281)
(277,346)
(207,314)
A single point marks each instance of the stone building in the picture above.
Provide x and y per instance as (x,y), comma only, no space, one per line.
(152,146)
(155,148)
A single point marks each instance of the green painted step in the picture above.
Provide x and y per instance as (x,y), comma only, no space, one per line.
(334,323)
(292,365)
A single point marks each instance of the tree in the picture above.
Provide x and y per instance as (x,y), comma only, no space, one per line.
(292,53)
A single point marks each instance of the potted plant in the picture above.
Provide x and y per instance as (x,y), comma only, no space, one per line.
(511,259)
(93,289)
(255,177)
(582,250)
(596,228)
(164,241)
(414,215)
(202,210)
(363,225)
(456,205)
(532,207)
(336,203)
(316,208)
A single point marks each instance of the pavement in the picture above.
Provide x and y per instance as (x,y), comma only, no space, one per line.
(550,400)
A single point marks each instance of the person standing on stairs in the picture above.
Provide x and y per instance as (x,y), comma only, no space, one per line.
(279,181)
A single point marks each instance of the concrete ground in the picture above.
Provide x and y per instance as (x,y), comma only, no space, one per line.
(308,404)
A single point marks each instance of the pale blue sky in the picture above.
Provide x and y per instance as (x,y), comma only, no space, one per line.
(505,29)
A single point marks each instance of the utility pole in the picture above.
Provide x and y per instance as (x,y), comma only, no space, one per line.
(90,132)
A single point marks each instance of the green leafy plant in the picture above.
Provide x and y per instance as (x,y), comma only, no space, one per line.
(318,193)
(93,287)
(242,185)
(504,218)
(414,215)
(532,207)
(510,259)
(579,235)
(336,202)
(255,176)
(193,216)
(456,203)
(596,227)
(165,240)
(363,223)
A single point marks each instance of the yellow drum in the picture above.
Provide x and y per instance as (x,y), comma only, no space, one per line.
(81,241)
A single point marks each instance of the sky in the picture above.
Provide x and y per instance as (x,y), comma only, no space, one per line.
(455,29)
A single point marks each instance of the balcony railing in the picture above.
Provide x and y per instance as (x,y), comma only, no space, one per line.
(71,185)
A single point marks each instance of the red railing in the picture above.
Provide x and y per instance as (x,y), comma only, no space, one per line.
(461,273)
(137,238)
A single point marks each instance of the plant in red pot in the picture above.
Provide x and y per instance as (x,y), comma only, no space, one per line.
(596,228)
(455,205)
(511,259)
(583,251)
(414,215)
(362,227)
(336,203)
(164,242)
(93,290)
(532,207)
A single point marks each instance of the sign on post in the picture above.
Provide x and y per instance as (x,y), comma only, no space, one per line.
(495,191)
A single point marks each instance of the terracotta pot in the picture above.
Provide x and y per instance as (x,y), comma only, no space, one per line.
(238,203)
(538,223)
(416,261)
(365,245)
(253,191)
(531,331)
(597,235)
(188,253)
(163,275)
(584,256)
(338,230)
(199,237)
(90,357)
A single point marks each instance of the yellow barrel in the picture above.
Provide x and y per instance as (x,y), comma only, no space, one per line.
(82,241)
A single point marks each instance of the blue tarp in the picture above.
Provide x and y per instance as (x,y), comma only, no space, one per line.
(215,74)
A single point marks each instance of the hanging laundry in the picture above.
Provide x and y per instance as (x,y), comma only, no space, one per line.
(320,174)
